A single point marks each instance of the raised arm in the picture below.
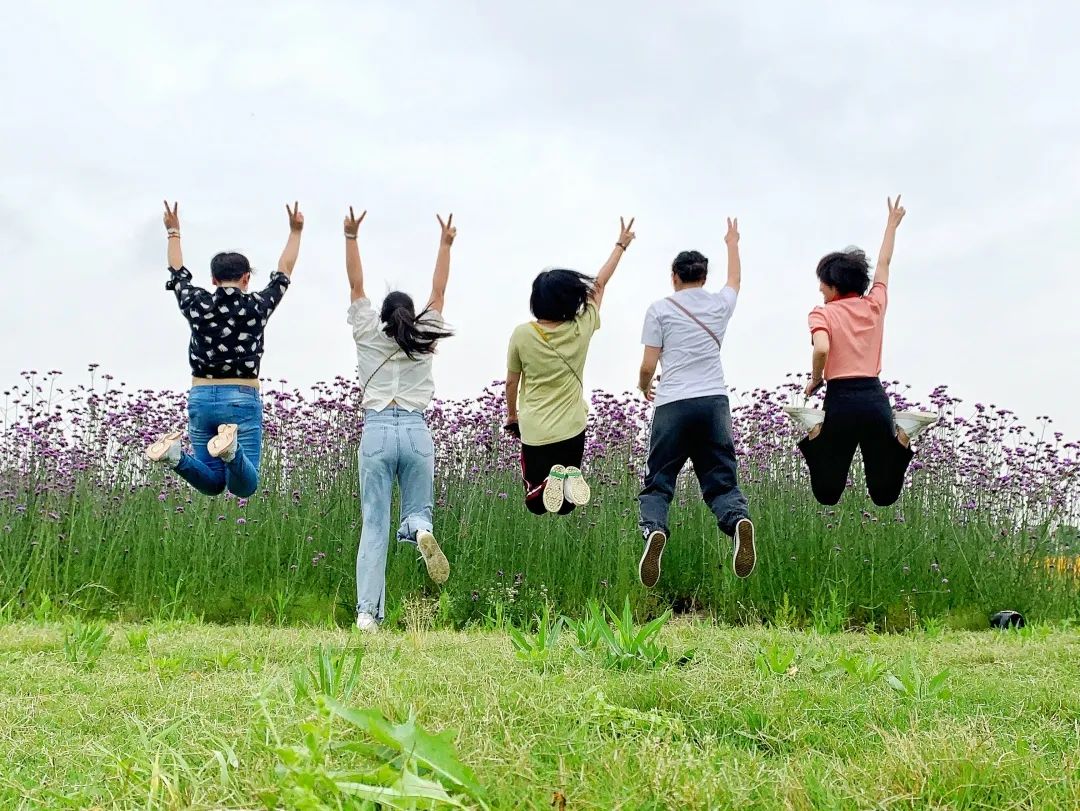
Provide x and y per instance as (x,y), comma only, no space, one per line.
(626,236)
(734,264)
(292,247)
(896,214)
(442,264)
(352,255)
(172,228)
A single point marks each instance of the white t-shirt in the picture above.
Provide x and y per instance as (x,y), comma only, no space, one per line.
(407,382)
(689,357)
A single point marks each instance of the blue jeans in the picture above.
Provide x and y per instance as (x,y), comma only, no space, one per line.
(396,443)
(209,407)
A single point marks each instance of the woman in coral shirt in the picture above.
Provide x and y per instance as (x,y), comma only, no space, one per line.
(847,334)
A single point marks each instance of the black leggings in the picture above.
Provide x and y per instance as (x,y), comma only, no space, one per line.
(536,464)
(857,414)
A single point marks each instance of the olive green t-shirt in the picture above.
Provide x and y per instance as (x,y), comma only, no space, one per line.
(551,403)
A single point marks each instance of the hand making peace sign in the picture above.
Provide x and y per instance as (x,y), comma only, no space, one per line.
(448,230)
(171,218)
(352,223)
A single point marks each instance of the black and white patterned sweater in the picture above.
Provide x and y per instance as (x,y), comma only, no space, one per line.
(226,325)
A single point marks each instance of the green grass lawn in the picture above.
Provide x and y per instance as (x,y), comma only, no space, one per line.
(192,716)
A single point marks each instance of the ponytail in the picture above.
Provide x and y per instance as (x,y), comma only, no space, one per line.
(408,330)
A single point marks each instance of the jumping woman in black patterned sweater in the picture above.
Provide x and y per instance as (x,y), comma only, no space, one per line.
(226,348)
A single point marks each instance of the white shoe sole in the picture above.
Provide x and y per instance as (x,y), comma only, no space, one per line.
(553,490)
(577,490)
(649,565)
(806,418)
(225,439)
(913,423)
(160,449)
(744,559)
(438,567)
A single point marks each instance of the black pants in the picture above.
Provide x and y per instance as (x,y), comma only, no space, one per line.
(537,462)
(698,429)
(857,414)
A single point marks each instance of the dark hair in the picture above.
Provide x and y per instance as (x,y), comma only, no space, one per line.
(690,266)
(559,294)
(412,333)
(848,271)
(229,267)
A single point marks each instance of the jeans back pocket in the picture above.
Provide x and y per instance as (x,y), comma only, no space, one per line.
(421,442)
(373,440)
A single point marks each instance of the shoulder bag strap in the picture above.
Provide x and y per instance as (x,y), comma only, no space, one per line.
(378,368)
(544,337)
(696,320)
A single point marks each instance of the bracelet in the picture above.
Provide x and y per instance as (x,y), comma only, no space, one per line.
(621,245)
(174,236)
(350,236)
(173,232)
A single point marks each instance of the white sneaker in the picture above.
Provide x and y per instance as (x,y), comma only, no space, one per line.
(166,450)
(223,446)
(366,623)
(576,490)
(554,489)
(438,567)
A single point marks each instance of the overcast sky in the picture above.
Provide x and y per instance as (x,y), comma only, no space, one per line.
(538,125)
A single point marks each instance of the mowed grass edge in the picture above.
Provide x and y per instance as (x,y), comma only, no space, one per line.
(182,715)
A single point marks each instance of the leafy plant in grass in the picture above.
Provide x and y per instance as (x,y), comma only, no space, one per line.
(586,630)
(138,639)
(45,609)
(391,765)
(830,613)
(537,650)
(910,681)
(624,645)
(85,642)
(334,675)
(933,627)
(777,658)
(865,669)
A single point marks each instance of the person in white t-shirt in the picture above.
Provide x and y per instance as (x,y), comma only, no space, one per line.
(692,420)
(394,349)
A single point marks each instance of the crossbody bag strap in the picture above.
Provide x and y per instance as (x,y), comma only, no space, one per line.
(386,360)
(544,337)
(697,320)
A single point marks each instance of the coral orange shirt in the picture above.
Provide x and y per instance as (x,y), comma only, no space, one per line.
(855,326)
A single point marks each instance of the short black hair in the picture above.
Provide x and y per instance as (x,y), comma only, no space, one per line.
(691,266)
(848,271)
(559,294)
(229,267)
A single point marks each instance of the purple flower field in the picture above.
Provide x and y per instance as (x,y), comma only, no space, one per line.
(988,520)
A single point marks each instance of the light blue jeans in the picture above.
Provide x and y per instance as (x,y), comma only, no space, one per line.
(209,407)
(396,444)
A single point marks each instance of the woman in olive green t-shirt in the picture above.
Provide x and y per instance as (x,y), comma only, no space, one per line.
(545,396)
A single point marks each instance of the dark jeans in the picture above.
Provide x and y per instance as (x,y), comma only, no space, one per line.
(698,429)
(857,414)
(536,464)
